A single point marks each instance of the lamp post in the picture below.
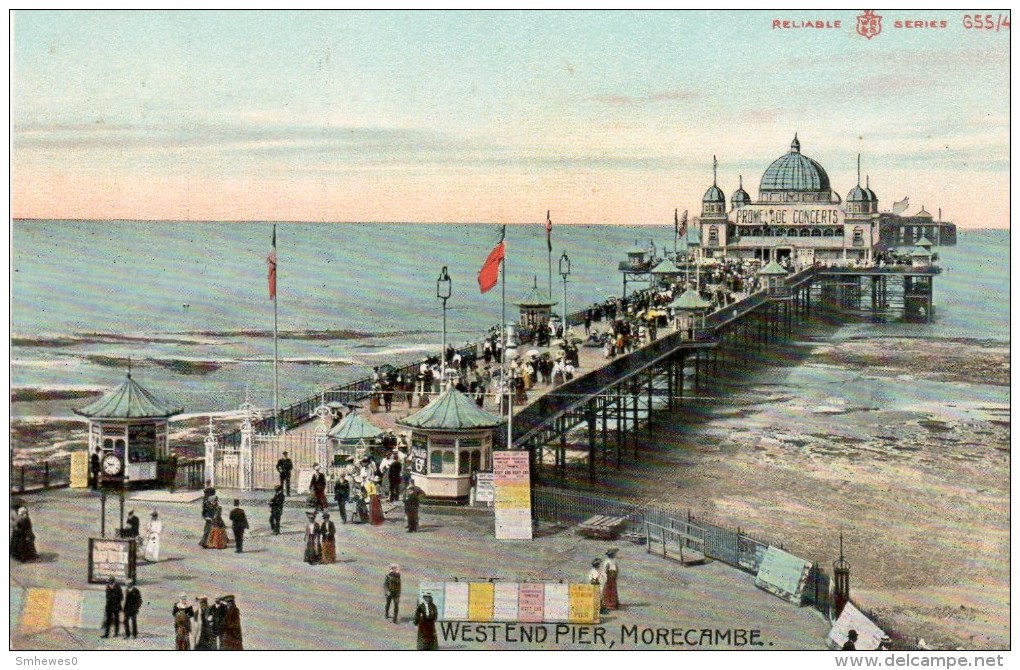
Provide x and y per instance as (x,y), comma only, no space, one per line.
(443,291)
(564,272)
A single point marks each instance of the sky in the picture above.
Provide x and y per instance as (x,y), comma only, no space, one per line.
(600,117)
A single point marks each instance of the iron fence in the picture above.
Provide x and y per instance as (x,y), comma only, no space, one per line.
(50,474)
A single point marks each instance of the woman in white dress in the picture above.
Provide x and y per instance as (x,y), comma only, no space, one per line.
(152,534)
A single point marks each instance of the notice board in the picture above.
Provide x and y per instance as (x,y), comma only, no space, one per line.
(511,478)
(783,575)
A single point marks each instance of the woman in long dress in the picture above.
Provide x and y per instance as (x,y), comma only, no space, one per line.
(152,535)
(218,532)
(209,503)
(23,538)
(313,540)
(375,513)
(610,596)
(327,531)
(360,504)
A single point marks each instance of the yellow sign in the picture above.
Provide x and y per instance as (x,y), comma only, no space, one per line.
(481,601)
(79,470)
(584,603)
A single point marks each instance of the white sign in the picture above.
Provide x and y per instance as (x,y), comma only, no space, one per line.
(485,491)
(789,215)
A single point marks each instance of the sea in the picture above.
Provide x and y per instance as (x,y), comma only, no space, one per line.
(187,304)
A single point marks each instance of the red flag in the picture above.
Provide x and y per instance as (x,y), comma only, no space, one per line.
(488,276)
(548,230)
(271,262)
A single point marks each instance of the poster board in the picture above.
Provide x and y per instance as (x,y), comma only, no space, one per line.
(304,480)
(783,575)
(485,490)
(526,602)
(111,558)
(79,470)
(511,476)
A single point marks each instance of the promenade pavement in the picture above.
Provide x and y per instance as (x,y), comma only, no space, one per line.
(288,604)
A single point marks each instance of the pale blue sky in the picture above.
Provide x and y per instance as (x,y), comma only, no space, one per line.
(475,116)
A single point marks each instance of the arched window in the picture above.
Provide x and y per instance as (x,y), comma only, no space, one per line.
(829,232)
(805,232)
(476,460)
(713,234)
(816,232)
(858,235)
(437,463)
(464,467)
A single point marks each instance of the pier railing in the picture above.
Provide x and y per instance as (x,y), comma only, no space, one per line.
(50,474)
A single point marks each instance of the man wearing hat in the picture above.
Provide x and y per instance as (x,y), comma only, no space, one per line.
(232,640)
(327,532)
(131,524)
(239,522)
(206,626)
(412,500)
(276,510)
(392,587)
(313,546)
(425,619)
(114,600)
(132,605)
(285,466)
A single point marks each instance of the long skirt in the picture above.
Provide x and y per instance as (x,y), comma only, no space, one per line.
(204,542)
(313,552)
(183,640)
(375,511)
(610,598)
(152,548)
(328,551)
(217,538)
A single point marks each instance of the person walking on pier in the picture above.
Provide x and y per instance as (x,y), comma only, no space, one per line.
(595,579)
(313,540)
(23,538)
(207,626)
(412,500)
(182,631)
(114,603)
(610,595)
(152,538)
(425,619)
(391,586)
(285,466)
(239,523)
(342,493)
(132,605)
(232,640)
(276,510)
(393,474)
(318,488)
(327,531)
(375,511)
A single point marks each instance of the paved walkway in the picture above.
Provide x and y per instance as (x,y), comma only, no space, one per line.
(287,604)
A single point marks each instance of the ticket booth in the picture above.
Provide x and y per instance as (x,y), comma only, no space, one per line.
(128,428)
(451,439)
(353,437)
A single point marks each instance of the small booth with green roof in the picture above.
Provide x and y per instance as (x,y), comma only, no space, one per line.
(689,311)
(451,439)
(353,434)
(128,429)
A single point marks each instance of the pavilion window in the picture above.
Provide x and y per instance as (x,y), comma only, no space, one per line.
(476,460)
(816,232)
(464,466)
(437,463)
(713,234)
(858,235)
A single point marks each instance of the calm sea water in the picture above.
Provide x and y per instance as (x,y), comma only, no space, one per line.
(188,302)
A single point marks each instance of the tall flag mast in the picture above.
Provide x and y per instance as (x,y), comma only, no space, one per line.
(548,242)
(271,262)
(488,277)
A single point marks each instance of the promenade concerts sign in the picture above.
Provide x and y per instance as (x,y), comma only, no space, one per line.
(789,215)
(511,477)
(111,558)
(79,470)
(514,602)
(783,575)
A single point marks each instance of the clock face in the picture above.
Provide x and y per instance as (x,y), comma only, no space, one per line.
(112,465)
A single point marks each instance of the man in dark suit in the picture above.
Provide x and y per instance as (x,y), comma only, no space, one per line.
(342,493)
(284,466)
(276,510)
(393,472)
(239,521)
(318,488)
(412,500)
(130,529)
(132,604)
(114,598)
(94,467)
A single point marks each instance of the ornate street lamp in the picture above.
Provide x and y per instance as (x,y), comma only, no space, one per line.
(444,289)
(564,272)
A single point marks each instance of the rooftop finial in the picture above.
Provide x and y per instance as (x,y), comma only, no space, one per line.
(858,169)
(867,180)
(715,166)
(741,182)
(795,144)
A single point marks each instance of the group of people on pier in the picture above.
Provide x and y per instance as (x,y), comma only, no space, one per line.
(215,627)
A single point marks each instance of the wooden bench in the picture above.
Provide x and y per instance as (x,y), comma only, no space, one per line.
(603,527)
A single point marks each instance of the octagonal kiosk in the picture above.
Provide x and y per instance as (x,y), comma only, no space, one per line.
(689,310)
(536,312)
(353,435)
(128,428)
(451,439)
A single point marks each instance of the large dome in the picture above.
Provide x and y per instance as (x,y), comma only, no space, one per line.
(794,172)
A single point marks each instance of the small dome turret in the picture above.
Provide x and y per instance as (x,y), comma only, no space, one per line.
(740,198)
(713,203)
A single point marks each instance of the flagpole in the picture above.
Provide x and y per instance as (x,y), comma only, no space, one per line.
(507,386)
(276,353)
(548,241)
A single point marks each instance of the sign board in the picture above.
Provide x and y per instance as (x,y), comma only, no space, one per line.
(869,636)
(111,558)
(231,460)
(783,575)
(807,214)
(304,480)
(79,470)
(419,456)
(510,601)
(485,491)
(511,477)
